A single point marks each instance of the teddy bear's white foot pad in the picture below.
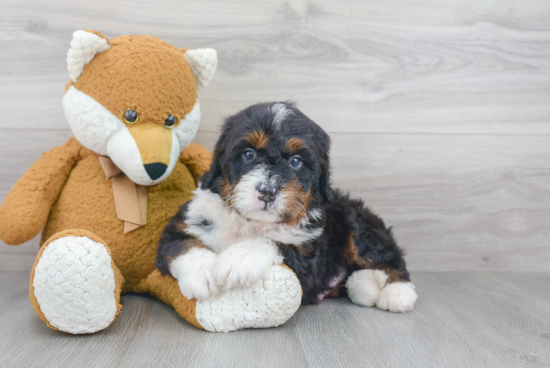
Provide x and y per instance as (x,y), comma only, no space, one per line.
(74,285)
(269,302)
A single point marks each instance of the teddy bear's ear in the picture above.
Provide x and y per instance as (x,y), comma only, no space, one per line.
(84,46)
(203,63)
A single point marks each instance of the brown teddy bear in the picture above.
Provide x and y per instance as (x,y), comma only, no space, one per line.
(104,197)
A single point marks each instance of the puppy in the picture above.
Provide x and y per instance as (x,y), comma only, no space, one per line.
(267,199)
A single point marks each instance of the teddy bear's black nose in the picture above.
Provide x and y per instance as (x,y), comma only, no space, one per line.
(155,170)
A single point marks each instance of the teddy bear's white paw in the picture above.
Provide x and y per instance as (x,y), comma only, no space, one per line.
(364,286)
(194,272)
(397,297)
(245,263)
(74,285)
(270,302)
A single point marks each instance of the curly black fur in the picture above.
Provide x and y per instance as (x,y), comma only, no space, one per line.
(323,260)
(353,237)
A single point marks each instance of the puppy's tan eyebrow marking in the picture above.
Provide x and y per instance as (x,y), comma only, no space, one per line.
(258,139)
(293,145)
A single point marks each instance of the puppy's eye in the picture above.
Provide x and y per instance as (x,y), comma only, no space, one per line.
(295,162)
(249,155)
(131,116)
(170,121)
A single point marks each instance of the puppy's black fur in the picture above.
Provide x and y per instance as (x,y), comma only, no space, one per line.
(352,237)
(334,256)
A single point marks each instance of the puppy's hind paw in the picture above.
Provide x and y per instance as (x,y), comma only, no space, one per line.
(364,286)
(397,297)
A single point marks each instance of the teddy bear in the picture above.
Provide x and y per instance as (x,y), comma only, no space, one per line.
(103,198)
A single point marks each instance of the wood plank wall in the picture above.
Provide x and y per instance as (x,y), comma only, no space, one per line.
(439,111)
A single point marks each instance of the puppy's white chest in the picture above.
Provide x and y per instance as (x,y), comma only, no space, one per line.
(218,226)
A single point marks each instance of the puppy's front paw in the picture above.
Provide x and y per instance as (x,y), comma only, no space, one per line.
(239,268)
(245,262)
(200,285)
(194,272)
(397,297)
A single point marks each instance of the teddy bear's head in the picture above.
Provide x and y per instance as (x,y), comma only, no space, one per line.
(134,99)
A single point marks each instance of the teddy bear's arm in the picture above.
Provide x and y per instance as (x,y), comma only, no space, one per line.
(27,206)
(197,159)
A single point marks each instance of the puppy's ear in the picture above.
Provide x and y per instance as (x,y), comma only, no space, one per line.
(325,188)
(324,185)
(213,179)
(214,176)
(209,179)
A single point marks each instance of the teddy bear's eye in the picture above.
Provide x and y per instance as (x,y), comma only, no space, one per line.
(131,116)
(170,121)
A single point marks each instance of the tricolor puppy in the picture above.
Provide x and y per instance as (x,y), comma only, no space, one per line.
(267,199)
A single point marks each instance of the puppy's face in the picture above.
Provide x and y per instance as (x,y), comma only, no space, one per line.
(271,164)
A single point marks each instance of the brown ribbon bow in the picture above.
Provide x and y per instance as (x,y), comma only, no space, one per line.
(130,198)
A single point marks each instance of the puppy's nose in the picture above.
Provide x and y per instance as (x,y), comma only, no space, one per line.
(267,192)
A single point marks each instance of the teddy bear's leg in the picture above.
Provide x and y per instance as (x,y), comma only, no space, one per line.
(75,285)
(268,303)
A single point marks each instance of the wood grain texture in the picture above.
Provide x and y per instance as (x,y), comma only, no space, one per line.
(460,320)
(438,111)
(458,202)
(392,66)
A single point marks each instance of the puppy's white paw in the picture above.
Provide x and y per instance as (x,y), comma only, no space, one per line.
(245,262)
(364,286)
(397,297)
(194,272)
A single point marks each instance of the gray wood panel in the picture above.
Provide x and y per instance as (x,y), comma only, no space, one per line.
(392,66)
(438,111)
(460,320)
(456,202)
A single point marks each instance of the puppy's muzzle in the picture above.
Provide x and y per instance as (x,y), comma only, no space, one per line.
(267,193)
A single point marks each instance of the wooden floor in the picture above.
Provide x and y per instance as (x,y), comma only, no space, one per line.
(460,320)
